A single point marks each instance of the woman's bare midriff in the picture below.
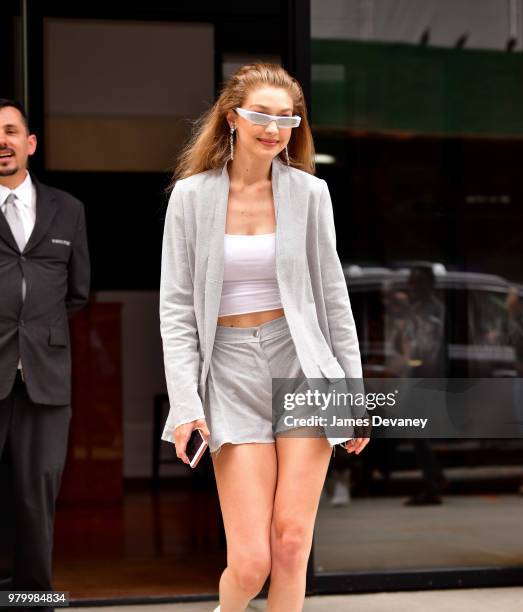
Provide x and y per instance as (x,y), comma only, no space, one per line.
(250,319)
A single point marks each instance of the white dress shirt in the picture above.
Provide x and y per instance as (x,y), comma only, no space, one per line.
(26,203)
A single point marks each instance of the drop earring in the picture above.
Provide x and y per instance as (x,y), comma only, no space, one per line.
(287,154)
(231,140)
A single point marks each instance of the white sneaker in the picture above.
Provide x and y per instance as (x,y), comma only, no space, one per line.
(216,609)
(341,495)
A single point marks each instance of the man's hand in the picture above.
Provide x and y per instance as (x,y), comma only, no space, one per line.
(182,434)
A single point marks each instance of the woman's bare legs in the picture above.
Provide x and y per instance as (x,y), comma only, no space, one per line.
(246,481)
(302,468)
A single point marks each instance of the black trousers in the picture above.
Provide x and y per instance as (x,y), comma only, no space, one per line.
(33,446)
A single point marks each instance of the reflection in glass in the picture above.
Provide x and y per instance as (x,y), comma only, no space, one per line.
(383,503)
(421,164)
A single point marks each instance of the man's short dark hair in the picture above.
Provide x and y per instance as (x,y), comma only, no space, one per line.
(6,102)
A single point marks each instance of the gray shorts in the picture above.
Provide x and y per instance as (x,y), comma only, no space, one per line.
(238,401)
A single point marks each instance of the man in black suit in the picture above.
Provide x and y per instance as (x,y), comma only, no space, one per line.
(44,279)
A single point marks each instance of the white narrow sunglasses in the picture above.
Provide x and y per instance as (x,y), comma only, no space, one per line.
(263,119)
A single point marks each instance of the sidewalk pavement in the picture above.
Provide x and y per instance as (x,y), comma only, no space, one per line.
(506,599)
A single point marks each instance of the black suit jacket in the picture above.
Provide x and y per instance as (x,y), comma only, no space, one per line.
(55,263)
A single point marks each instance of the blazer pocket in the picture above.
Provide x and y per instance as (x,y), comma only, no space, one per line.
(57,336)
(332,369)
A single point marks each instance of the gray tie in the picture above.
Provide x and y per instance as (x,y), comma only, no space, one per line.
(15,222)
(17,227)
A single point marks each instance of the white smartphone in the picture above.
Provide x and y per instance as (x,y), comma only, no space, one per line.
(195,447)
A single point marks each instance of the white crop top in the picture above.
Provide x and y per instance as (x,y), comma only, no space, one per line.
(249,274)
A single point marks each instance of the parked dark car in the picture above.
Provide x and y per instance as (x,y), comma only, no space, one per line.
(476,340)
(475,318)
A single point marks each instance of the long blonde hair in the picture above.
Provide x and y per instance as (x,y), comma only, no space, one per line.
(209,146)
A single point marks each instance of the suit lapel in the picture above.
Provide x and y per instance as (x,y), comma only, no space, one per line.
(6,234)
(214,275)
(45,211)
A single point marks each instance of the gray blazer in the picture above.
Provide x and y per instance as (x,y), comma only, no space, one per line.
(310,278)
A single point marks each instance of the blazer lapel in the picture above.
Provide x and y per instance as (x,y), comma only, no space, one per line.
(45,212)
(214,275)
(6,234)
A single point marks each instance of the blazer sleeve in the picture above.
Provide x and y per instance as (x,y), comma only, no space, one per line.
(342,328)
(178,322)
(78,269)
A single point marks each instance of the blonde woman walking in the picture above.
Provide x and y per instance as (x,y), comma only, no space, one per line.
(252,289)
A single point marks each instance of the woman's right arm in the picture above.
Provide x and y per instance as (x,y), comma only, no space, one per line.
(178,325)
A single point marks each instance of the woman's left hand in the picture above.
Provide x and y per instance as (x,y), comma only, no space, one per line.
(356,445)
